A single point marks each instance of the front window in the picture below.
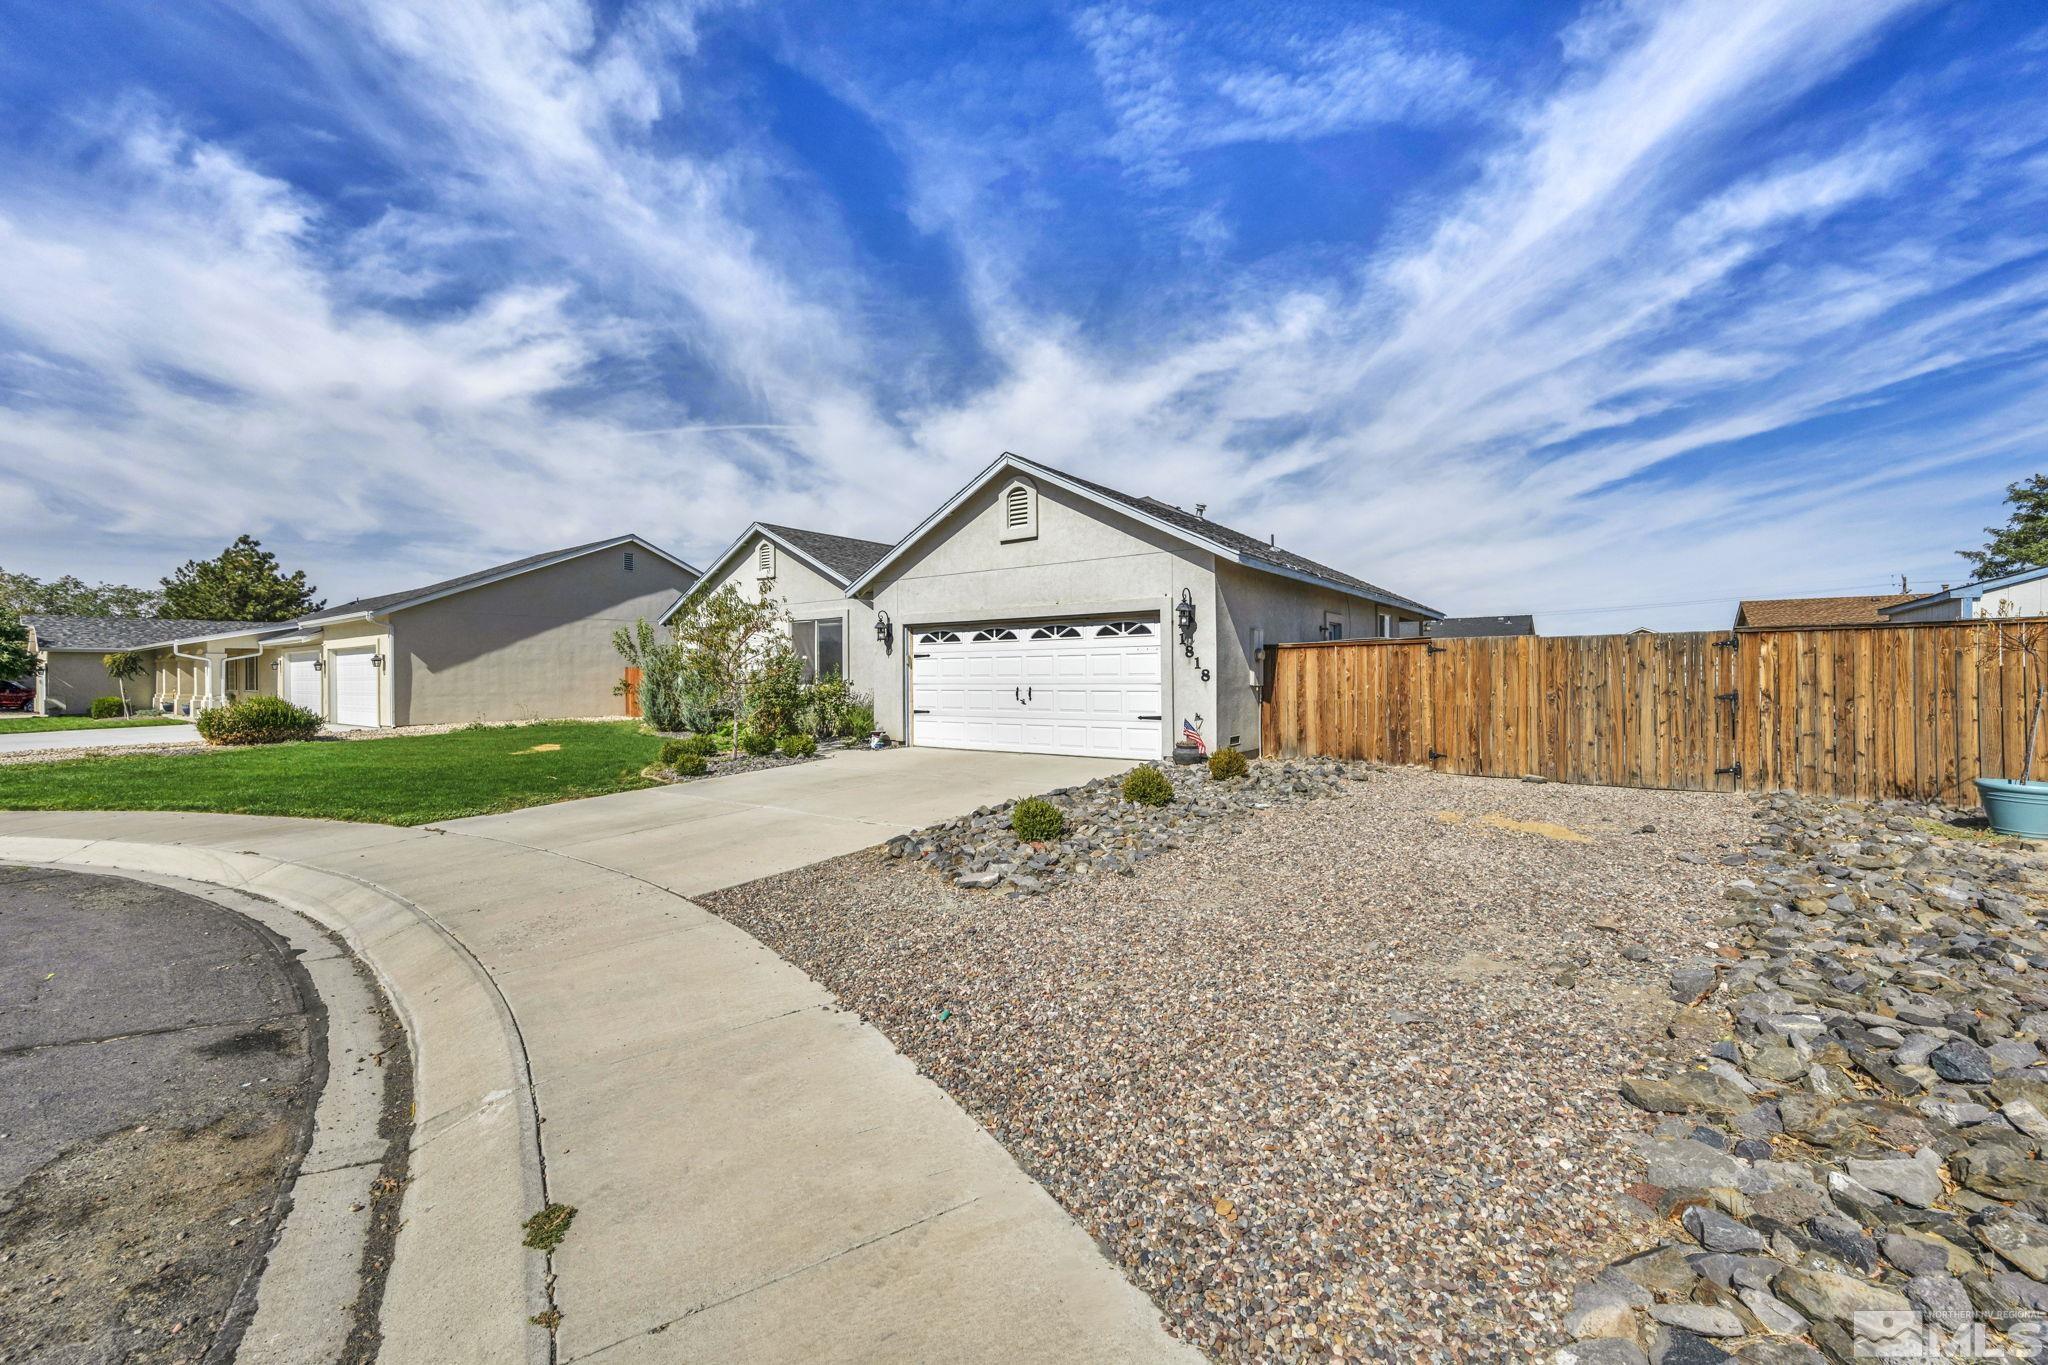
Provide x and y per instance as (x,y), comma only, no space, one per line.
(822,647)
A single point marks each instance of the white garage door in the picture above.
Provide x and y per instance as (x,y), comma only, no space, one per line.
(302,684)
(1040,687)
(355,689)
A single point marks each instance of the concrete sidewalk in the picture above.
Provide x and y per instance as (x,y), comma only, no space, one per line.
(759,1176)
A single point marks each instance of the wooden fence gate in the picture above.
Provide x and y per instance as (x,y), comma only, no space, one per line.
(1864,711)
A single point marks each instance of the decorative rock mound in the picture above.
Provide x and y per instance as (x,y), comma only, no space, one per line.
(1106,834)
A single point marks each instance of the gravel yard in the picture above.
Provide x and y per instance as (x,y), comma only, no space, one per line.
(1337,1081)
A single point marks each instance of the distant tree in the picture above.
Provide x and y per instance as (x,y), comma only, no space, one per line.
(243,583)
(15,660)
(122,667)
(2022,543)
(73,596)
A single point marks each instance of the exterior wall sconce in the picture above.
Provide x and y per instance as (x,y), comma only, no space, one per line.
(377,660)
(320,665)
(1184,615)
(885,631)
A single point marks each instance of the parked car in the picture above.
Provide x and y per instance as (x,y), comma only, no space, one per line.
(15,697)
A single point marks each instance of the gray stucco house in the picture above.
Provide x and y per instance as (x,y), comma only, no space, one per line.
(529,639)
(807,572)
(1042,612)
(69,650)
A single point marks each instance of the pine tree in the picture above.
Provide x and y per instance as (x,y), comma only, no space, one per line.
(244,583)
(2022,542)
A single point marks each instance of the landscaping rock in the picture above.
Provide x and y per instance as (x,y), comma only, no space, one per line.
(1886,992)
(1106,834)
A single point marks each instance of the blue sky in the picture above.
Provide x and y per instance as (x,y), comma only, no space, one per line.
(1613,312)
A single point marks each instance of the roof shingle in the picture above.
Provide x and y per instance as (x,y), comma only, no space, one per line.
(1788,613)
(112,634)
(843,555)
(1250,547)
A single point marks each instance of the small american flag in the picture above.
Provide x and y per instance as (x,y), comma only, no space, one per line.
(1190,734)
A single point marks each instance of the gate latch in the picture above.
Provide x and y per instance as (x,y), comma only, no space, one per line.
(1725,696)
(1732,770)
(1435,754)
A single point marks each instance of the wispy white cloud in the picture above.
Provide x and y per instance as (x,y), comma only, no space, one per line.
(1605,366)
(1172,94)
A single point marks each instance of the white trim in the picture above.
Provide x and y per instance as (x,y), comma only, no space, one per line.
(716,570)
(1028,469)
(548,563)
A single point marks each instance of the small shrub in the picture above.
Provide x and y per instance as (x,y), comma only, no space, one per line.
(1036,820)
(704,746)
(256,720)
(672,751)
(797,746)
(108,708)
(857,722)
(1147,786)
(688,765)
(1225,764)
(757,744)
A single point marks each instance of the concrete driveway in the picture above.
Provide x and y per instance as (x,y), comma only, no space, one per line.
(759,1175)
(701,836)
(25,741)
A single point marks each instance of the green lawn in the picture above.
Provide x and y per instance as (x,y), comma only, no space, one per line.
(410,780)
(11,724)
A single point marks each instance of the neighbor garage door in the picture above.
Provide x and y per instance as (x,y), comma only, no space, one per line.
(1048,687)
(355,688)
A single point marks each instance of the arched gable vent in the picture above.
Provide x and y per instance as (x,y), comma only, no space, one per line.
(1020,510)
(764,559)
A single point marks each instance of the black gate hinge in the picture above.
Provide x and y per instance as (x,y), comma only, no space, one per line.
(1732,770)
(1435,754)
(1730,643)
(1727,696)
(1434,649)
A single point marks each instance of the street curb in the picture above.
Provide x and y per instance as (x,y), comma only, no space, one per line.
(461,1287)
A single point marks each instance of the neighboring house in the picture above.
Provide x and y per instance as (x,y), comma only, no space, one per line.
(1478,627)
(519,641)
(68,650)
(807,572)
(1794,613)
(2024,593)
(1042,612)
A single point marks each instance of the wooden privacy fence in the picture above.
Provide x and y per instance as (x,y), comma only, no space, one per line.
(1864,711)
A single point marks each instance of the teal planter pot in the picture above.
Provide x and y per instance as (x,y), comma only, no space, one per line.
(2019,808)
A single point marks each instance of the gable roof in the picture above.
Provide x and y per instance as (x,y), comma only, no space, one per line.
(844,557)
(412,597)
(840,559)
(1971,591)
(112,634)
(1478,627)
(1214,536)
(1788,613)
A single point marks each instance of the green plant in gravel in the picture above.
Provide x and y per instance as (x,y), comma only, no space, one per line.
(107,708)
(546,1229)
(257,719)
(757,744)
(688,765)
(704,746)
(675,749)
(857,722)
(1036,820)
(1225,764)
(796,746)
(1147,786)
